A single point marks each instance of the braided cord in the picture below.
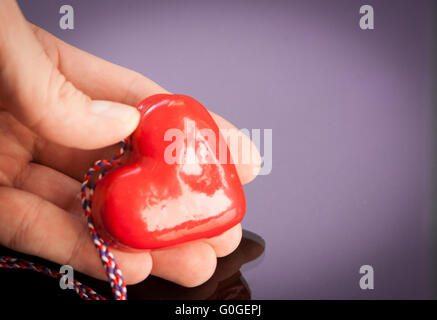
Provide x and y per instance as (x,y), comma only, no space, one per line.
(113,272)
(82,290)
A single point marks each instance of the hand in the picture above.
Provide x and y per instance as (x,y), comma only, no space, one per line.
(60,110)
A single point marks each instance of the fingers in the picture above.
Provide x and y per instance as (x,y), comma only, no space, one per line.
(249,169)
(50,185)
(227,242)
(34,226)
(135,266)
(71,161)
(193,263)
(39,95)
(189,264)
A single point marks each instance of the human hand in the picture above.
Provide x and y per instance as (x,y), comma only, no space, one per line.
(60,110)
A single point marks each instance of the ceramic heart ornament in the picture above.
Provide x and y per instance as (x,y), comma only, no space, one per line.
(173,185)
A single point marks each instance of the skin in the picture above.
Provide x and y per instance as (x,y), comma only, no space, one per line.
(48,138)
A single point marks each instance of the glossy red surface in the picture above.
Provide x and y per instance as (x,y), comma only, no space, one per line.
(171,188)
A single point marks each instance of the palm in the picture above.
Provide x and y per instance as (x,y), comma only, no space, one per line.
(39,195)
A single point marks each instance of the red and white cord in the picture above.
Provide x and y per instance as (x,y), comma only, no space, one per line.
(113,272)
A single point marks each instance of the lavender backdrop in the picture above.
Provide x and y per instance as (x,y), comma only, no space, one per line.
(350,112)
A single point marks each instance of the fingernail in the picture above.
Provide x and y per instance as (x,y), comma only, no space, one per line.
(115,110)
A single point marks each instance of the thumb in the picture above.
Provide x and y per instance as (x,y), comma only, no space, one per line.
(38,95)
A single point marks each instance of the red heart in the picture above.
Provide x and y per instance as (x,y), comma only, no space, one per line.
(149,202)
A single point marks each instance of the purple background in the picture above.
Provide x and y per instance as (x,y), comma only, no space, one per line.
(350,112)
